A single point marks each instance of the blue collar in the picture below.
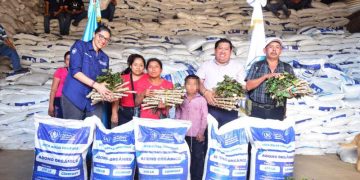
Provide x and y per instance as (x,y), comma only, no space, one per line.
(89,46)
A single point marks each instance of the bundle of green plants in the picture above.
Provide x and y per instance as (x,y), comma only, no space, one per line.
(228,93)
(114,83)
(287,86)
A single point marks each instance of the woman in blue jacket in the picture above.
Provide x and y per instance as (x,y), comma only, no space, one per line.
(87,61)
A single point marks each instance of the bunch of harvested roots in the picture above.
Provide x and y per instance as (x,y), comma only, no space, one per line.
(114,83)
(287,86)
(228,93)
(169,97)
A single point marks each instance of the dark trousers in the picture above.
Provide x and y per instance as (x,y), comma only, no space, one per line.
(12,54)
(197,157)
(261,111)
(57,106)
(125,114)
(221,115)
(70,111)
(61,19)
(77,18)
(109,12)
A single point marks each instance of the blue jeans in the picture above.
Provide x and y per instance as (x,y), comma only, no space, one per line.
(108,13)
(12,54)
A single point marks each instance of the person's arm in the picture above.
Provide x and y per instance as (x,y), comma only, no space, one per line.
(99,87)
(61,8)
(46,8)
(76,65)
(9,43)
(254,83)
(178,112)
(207,93)
(141,96)
(66,7)
(82,9)
(54,86)
(240,76)
(114,112)
(162,106)
(203,114)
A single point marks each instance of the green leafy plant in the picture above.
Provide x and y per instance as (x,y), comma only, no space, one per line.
(111,79)
(229,88)
(286,86)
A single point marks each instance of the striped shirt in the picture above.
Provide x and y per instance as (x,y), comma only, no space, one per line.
(3,35)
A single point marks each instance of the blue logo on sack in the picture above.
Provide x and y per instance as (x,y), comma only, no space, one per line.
(267,134)
(54,135)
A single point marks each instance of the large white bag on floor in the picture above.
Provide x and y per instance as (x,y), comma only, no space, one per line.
(349,155)
(113,152)
(273,148)
(161,149)
(61,147)
(227,154)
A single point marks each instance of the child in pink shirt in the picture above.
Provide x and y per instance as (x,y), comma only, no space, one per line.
(194,109)
(56,89)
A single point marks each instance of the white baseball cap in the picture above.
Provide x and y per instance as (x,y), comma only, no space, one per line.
(273,39)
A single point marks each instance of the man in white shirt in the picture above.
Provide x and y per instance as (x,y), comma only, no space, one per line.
(213,71)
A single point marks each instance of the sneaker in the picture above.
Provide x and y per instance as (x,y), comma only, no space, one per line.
(21,71)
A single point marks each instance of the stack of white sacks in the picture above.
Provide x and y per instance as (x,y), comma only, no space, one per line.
(322,121)
(19,16)
(136,18)
(328,58)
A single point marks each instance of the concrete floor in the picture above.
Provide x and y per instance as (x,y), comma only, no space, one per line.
(17,165)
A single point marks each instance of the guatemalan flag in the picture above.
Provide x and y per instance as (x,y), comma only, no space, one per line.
(258,33)
(94,16)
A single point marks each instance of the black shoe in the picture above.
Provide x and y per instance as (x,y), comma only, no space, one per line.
(75,23)
(21,71)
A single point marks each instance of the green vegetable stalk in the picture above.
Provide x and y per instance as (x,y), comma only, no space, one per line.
(229,88)
(286,86)
(114,83)
(111,79)
(228,93)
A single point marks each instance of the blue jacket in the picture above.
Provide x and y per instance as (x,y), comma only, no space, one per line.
(83,58)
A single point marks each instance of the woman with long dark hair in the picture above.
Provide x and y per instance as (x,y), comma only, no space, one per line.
(153,82)
(133,74)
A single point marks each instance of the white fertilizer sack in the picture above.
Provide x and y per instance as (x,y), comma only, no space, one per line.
(61,147)
(273,149)
(161,149)
(113,152)
(227,154)
(349,155)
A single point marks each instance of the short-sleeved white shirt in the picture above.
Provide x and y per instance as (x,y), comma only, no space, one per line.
(212,73)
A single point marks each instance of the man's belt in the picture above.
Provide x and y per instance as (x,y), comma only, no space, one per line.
(264,106)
